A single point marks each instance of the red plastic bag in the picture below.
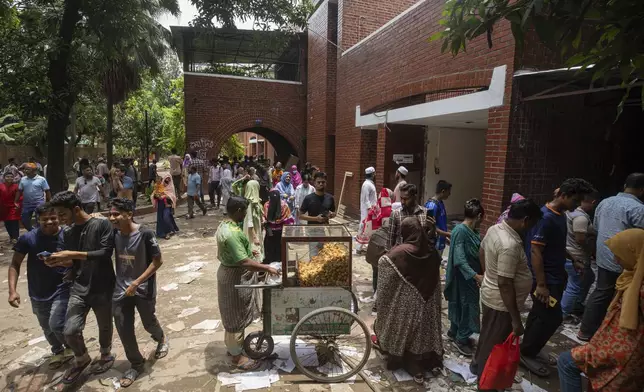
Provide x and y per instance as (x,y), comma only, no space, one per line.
(501,365)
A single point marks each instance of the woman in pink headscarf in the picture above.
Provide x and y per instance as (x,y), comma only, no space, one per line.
(164,200)
(515,197)
(296,177)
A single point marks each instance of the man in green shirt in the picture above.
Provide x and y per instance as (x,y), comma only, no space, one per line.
(238,307)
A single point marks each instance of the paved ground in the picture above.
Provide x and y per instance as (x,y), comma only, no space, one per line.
(196,357)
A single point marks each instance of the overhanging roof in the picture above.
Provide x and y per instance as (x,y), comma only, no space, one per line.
(234,46)
(464,111)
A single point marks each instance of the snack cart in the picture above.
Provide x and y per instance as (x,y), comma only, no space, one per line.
(314,305)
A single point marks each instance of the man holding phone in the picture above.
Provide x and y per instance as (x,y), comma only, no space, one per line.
(410,207)
(317,208)
(48,290)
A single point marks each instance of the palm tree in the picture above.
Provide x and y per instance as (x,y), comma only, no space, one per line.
(137,42)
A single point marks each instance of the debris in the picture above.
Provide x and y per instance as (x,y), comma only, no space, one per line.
(364,288)
(366,300)
(374,377)
(177,327)
(186,298)
(570,334)
(34,357)
(189,277)
(461,368)
(402,376)
(195,258)
(192,267)
(188,312)
(329,368)
(207,325)
(250,380)
(170,287)
(529,387)
(36,340)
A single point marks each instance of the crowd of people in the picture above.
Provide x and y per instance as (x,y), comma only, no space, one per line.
(546,252)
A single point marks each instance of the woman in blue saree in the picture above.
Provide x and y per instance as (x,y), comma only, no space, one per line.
(463,279)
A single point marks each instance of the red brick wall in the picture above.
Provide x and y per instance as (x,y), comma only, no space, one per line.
(400,62)
(216,108)
(359,18)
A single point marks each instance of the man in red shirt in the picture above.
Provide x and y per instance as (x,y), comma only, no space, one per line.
(9,212)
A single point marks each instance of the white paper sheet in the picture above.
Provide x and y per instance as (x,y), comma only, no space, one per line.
(36,340)
(170,287)
(176,327)
(460,368)
(402,376)
(192,267)
(189,277)
(527,387)
(189,312)
(34,357)
(249,381)
(572,335)
(207,325)
(185,298)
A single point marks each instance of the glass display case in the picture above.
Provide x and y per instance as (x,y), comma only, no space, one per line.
(316,256)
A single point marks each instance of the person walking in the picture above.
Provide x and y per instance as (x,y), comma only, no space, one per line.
(88,188)
(276,215)
(176,168)
(368,200)
(287,191)
(152,173)
(137,259)
(214,182)
(48,290)
(238,307)
(409,207)
(613,215)
(89,243)
(437,205)
(194,193)
(302,191)
(463,279)
(34,190)
(507,280)
(226,186)
(165,201)
(296,177)
(546,252)
(613,359)
(9,210)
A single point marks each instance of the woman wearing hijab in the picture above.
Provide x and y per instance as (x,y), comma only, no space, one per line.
(226,186)
(164,200)
(515,197)
(463,279)
(277,173)
(253,223)
(296,178)
(287,191)
(614,358)
(276,214)
(408,325)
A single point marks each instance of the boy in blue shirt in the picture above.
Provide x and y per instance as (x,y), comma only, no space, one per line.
(546,251)
(437,205)
(48,290)
(194,192)
(34,190)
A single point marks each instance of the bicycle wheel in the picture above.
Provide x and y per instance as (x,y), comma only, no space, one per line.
(330,345)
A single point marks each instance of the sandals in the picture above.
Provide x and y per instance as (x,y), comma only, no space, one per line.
(71,375)
(129,377)
(60,359)
(102,364)
(375,342)
(162,350)
(535,366)
(249,365)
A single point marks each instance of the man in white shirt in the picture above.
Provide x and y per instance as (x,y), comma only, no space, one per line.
(401,174)
(368,199)
(87,188)
(176,168)
(214,180)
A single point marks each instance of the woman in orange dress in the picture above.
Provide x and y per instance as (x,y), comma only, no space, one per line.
(614,358)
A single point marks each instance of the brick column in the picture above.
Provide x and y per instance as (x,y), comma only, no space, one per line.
(380,156)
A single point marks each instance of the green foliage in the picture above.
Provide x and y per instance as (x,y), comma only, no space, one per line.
(606,34)
(174,133)
(266,14)
(233,148)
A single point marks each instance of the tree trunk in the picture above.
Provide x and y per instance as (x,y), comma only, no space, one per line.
(62,98)
(108,131)
(70,157)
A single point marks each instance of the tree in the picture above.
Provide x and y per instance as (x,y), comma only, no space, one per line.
(267,14)
(606,34)
(233,148)
(174,132)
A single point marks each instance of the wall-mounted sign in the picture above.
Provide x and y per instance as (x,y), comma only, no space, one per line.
(403,158)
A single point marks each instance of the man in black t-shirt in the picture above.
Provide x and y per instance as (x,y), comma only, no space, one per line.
(89,243)
(317,208)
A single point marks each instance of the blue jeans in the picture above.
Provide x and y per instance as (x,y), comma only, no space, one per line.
(25,217)
(576,289)
(51,317)
(569,373)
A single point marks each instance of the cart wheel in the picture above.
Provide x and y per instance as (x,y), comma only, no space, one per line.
(258,345)
(330,345)
(355,307)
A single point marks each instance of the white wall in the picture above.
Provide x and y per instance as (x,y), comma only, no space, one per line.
(461,158)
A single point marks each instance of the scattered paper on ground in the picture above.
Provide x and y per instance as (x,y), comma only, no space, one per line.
(36,340)
(372,376)
(189,277)
(305,352)
(249,381)
(192,267)
(185,298)
(460,368)
(207,325)
(177,327)
(333,370)
(402,376)
(170,287)
(34,357)
(527,387)
(572,335)
(189,312)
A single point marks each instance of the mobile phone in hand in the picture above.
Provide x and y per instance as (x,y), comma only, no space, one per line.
(44,254)
(430,213)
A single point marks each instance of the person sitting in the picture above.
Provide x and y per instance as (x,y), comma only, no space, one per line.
(614,357)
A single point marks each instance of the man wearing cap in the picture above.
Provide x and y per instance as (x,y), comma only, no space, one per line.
(401,175)
(368,198)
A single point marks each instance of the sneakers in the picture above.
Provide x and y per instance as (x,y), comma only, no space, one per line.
(583,337)
(465,349)
(570,319)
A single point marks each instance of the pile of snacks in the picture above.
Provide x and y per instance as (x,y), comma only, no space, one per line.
(329,268)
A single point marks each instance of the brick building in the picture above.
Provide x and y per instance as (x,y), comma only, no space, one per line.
(256,146)
(372,90)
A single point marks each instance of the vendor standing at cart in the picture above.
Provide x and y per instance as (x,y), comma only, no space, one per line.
(318,208)
(238,307)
